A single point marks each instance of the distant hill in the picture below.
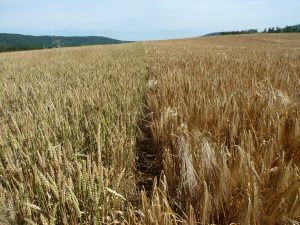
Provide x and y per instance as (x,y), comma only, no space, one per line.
(14,42)
(213,34)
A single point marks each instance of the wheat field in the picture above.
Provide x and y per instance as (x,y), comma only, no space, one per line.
(192,131)
(68,133)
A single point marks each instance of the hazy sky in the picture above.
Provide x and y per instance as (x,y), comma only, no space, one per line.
(143,19)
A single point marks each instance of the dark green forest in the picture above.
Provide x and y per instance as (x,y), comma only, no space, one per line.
(18,42)
(287,29)
(250,31)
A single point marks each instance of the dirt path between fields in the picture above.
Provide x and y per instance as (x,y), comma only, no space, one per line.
(149,164)
(149,160)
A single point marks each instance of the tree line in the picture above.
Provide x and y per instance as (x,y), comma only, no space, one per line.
(11,48)
(249,31)
(287,29)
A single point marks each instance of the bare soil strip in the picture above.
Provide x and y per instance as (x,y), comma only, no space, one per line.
(149,160)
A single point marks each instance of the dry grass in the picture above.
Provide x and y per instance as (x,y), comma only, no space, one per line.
(223,113)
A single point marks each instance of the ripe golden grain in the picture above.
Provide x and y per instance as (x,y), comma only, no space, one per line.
(222,111)
(52,103)
(237,97)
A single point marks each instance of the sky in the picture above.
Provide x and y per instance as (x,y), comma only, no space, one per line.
(143,19)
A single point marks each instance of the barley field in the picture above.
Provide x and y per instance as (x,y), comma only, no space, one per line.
(193,131)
